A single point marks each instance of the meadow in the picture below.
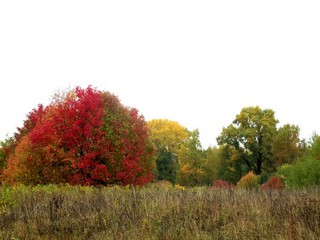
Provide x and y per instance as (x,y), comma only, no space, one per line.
(157,211)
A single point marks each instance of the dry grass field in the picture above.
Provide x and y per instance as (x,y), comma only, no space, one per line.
(158,211)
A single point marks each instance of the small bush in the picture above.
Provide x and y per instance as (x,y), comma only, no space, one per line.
(178,187)
(274,182)
(304,172)
(249,181)
(222,184)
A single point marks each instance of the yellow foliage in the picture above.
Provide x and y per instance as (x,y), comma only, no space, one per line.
(167,134)
(178,187)
(250,180)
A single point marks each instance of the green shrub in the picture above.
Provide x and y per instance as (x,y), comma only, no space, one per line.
(303,173)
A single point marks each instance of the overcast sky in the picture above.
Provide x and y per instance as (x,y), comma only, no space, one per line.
(195,62)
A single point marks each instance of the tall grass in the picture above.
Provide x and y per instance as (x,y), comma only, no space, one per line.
(157,212)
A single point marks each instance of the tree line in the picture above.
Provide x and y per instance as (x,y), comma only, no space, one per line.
(87,137)
(252,143)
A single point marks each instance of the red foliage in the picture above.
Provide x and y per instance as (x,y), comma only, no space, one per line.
(218,184)
(273,183)
(32,119)
(134,169)
(88,138)
(72,128)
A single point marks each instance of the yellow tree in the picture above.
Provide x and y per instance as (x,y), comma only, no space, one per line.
(168,137)
(180,156)
(168,134)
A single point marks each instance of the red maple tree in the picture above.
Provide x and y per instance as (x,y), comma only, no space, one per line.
(86,137)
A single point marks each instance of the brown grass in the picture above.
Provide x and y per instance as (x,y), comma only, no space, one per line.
(157,212)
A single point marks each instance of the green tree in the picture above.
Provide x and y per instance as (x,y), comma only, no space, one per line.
(214,164)
(230,170)
(249,139)
(6,148)
(304,171)
(192,162)
(167,165)
(287,145)
(315,146)
(3,159)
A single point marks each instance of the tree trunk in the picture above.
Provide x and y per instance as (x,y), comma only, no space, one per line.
(259,164)
(259,160)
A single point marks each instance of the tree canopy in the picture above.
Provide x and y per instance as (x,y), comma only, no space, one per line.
(180,158)
(87,137)
(249,138)
(84,136)
(287,145)
(168,137)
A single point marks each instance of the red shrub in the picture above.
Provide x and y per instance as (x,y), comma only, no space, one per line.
(274,182)
(222,184)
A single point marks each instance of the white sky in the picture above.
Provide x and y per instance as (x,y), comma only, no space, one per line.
(195,62)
